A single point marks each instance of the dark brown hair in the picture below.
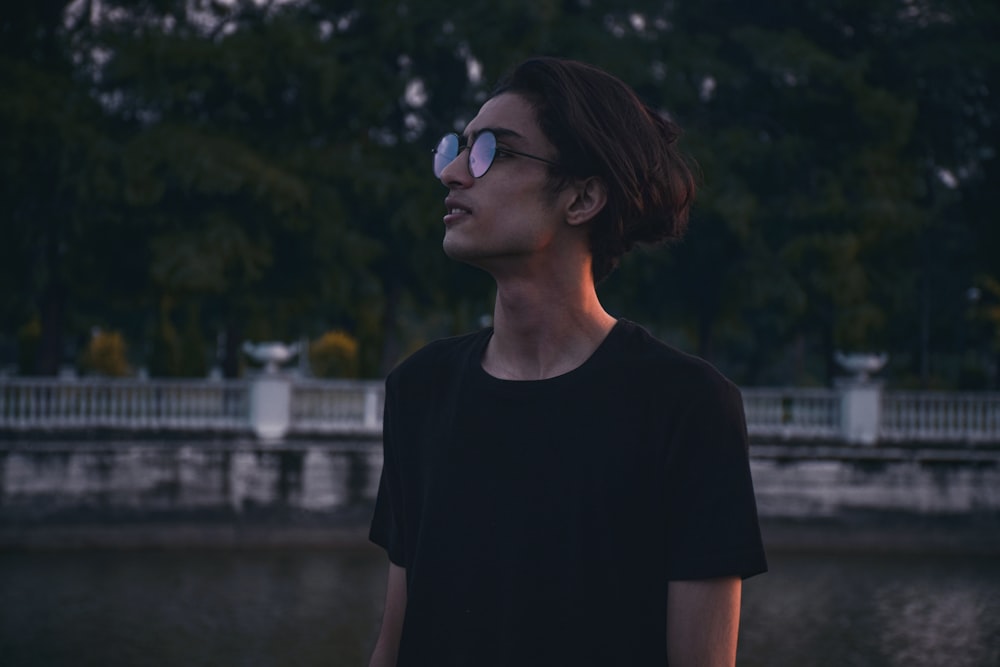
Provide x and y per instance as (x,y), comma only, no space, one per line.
(600,127)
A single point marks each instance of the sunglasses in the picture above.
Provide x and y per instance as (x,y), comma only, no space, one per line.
(482,151)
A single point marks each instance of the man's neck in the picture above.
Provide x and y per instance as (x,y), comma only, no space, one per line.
(544,329)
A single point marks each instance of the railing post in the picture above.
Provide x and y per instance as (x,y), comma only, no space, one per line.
(373,416)
(860,410)
(270,406)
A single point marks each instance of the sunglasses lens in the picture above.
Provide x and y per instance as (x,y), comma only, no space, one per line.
(481,155)
(445,153)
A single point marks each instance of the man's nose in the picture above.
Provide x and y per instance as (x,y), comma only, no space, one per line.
(457,173)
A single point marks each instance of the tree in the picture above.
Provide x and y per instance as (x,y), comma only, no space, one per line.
(54,173)
(198,173)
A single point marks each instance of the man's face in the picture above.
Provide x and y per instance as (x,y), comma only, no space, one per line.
(506,217)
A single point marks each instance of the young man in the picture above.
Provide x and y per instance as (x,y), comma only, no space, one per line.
(562,488)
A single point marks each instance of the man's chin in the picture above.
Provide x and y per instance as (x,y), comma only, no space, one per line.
(457,251)
(466,256)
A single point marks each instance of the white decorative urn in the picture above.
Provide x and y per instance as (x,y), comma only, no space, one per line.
(272,354)
(861,365)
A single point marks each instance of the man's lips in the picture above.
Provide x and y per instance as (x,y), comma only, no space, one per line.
(455,209)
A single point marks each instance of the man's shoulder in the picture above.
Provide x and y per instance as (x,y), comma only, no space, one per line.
(440,357)
(658,362)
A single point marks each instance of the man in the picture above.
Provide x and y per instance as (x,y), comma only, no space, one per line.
(562,488)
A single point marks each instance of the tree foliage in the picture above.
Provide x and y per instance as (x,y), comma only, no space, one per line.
(197,173)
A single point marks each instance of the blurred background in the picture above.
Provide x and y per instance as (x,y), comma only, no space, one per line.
(181,176)
(183,180)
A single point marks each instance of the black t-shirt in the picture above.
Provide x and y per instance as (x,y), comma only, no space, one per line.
(540,522)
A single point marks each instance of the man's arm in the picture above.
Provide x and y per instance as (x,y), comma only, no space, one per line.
(387,644)
(703,620)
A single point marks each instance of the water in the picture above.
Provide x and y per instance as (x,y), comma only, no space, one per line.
(209,607)
(873,611)
(321,607)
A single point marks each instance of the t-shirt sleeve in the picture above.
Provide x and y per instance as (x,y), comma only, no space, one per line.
(712,529)
(387,522)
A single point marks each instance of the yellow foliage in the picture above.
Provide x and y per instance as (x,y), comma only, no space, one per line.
(105,354)
(334,354)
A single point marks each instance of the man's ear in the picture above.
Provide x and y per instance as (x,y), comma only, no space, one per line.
(590,197)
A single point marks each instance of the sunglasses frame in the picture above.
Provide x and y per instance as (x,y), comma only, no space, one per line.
(461,145)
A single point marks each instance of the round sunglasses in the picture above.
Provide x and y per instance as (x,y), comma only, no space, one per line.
(482,151)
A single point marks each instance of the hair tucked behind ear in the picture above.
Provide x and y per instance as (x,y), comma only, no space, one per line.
(599,127)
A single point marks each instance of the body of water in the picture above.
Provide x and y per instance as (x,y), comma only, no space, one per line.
(309,607)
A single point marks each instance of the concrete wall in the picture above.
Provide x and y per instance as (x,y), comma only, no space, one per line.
(829,488)
(47,484)
(73,481)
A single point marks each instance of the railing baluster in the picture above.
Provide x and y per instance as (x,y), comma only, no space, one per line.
(342,406)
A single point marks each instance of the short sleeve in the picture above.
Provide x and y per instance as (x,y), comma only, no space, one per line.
(712,528)
(387,521)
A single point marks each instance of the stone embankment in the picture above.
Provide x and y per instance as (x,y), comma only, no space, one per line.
(242,492)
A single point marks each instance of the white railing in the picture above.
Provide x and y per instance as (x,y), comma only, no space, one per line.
(337,406)
(923,416)
(793,413)
(28,404)
(342,407)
